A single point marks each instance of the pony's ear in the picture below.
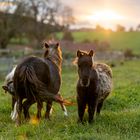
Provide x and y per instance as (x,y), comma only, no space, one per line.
(46,45)
(78,53)
(91,53)
(5,88)
(57,45)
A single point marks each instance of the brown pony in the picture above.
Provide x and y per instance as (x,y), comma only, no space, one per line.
(38,80)
(94,84)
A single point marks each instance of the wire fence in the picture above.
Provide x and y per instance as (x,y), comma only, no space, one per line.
(6,65)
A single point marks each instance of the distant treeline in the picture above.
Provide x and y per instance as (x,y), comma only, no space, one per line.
(34,19)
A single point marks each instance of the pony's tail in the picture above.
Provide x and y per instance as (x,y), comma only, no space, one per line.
(33,86)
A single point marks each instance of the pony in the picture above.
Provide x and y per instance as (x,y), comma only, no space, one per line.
(8,87)
(39,80)
(93,86)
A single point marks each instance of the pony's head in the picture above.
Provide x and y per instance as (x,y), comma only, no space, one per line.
(54,53)
(51,49)
(85,63)
(9,87)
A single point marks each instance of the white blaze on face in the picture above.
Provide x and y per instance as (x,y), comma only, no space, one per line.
(81,83)
(51,51)
(10,76)
(93,59)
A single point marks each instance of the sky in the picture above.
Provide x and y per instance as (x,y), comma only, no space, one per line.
(107,13)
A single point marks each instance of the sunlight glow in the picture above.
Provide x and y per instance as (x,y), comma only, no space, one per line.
(106,18)
(34,120)
(4,6)
(106,15)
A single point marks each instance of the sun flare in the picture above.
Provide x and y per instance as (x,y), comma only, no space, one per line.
(106,15)
(106,18)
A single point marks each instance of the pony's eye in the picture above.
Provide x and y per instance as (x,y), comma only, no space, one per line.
(79,65)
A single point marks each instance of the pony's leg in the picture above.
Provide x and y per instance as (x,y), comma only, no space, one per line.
(92,105)
(26,106)
(39,108)
(14,112)
(13,102)
(81,110)
(64,109)
(63,106)
(48,109)
(19,110)
(13,105)
(99,106)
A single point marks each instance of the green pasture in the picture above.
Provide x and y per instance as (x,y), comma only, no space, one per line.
(119,119)
(118,40)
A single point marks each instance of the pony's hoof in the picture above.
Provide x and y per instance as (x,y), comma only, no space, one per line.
(66,114)
(27,119)
(91,121)
(79,121)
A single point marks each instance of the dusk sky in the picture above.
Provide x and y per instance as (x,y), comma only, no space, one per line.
(107,13)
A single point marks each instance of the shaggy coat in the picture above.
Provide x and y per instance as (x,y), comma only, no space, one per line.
(39,79)
(94,84)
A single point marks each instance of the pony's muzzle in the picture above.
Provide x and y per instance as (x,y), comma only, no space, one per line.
(5,88)
(85,82)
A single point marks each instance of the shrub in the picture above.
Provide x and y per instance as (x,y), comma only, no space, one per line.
(86,41)
(128,53)
(68,36)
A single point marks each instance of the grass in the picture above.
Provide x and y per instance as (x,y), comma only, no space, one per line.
(118,40)
(119,120)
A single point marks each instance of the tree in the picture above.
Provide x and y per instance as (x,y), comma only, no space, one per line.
(131,29)
(67,17)
(120,28)
(138,27)
(35,19)
(9,21)
(42,20)
(99,28)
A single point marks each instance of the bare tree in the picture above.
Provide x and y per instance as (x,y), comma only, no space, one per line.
(41,19)
(67,17)
(34,19)
(8,21)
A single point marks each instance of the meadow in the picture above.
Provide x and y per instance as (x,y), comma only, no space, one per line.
(119,119)
(118,40)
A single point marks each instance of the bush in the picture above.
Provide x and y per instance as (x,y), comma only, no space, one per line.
(68,55)
(68,36)
(86,41)
(128,53)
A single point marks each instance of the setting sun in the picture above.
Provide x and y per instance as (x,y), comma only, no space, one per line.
(106,18)
(106,15)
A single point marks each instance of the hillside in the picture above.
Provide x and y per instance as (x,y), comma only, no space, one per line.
(118,40)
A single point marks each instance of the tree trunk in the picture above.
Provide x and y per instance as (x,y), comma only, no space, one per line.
(3,44)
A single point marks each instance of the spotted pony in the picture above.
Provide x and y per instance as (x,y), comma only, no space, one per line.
(93,86)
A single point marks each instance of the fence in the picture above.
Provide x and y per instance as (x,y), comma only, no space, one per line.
(6,64)
(8,58)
